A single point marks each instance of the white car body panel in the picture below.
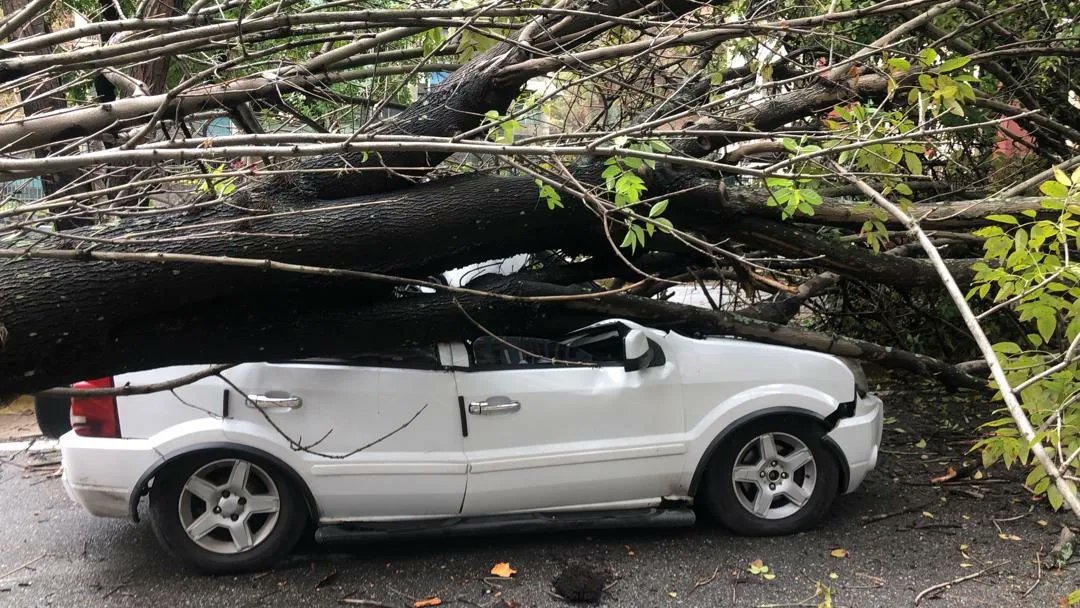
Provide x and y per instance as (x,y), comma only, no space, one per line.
(584,438)
(596,434)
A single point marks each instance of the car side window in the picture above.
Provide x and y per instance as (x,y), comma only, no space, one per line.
(516,351)
(604,347)
(406,357)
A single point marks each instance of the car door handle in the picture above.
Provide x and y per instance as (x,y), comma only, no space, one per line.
(275,401)
(491,406)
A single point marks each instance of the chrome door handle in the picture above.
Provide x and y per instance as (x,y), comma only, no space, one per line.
(275,401)
(494,405)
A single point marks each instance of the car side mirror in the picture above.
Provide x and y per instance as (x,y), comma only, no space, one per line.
(639,353)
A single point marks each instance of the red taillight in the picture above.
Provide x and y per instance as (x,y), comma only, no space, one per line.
(95,416)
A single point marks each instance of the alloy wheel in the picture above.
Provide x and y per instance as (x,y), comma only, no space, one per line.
(229,506)
(774,475)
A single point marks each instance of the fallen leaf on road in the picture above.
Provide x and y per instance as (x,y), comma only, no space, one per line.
(672,594)
(503,570)
(431,601)
(839,553)
(920,444)
(928,515)
(950,474)
(768,576)
(758,567)
(833,576)
(1004,536)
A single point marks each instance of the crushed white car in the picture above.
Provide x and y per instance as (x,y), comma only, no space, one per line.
(613,425)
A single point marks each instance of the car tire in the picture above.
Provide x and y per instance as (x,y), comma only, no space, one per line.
(53,415)
(210,495)
(754,494)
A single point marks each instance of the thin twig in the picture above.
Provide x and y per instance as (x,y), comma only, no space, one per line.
(704,581)
(933,588)
(368,603)
(138,389)
(25,565)
(869,519)
(1038,573)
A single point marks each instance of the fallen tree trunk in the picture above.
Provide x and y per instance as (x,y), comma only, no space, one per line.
(245,329)
(138,267)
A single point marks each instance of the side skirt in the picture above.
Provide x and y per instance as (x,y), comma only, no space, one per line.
(361,532)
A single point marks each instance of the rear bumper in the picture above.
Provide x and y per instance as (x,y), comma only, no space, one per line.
(100,474)
(859,439)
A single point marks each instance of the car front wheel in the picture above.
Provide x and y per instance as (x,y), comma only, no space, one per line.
(222,514)
(772,477)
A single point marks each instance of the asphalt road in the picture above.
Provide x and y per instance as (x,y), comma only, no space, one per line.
(54,554)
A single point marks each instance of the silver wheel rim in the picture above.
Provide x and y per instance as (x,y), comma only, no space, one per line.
(229,506)
(774,475)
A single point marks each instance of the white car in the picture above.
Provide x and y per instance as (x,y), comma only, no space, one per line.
(614,425)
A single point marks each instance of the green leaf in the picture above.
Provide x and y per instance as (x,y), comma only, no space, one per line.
(660,146)
(899,64)
(1007,348)
(1055,498)
(1046,324)
(913,163)
(1042,486)
(1002,218)
(658,208)
(1054,188)
(629,240)
(954,64)
(1062,179)
(811,196)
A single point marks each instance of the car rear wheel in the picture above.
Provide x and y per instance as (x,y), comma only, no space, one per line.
(772,477)
(221,514)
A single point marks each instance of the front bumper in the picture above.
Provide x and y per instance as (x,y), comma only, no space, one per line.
(859,439)
(100,474)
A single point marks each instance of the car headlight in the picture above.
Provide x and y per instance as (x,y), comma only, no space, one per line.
(862,386)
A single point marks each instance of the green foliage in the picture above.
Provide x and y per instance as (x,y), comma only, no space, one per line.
(790,197)
(623,180)
(550,195)
(503,127)
(1027,266)
(221,187)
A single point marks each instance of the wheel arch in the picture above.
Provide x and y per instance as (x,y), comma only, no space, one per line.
(826,424)
(142,486)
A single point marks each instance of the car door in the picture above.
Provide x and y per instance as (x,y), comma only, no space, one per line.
(381,431)
(547,431)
